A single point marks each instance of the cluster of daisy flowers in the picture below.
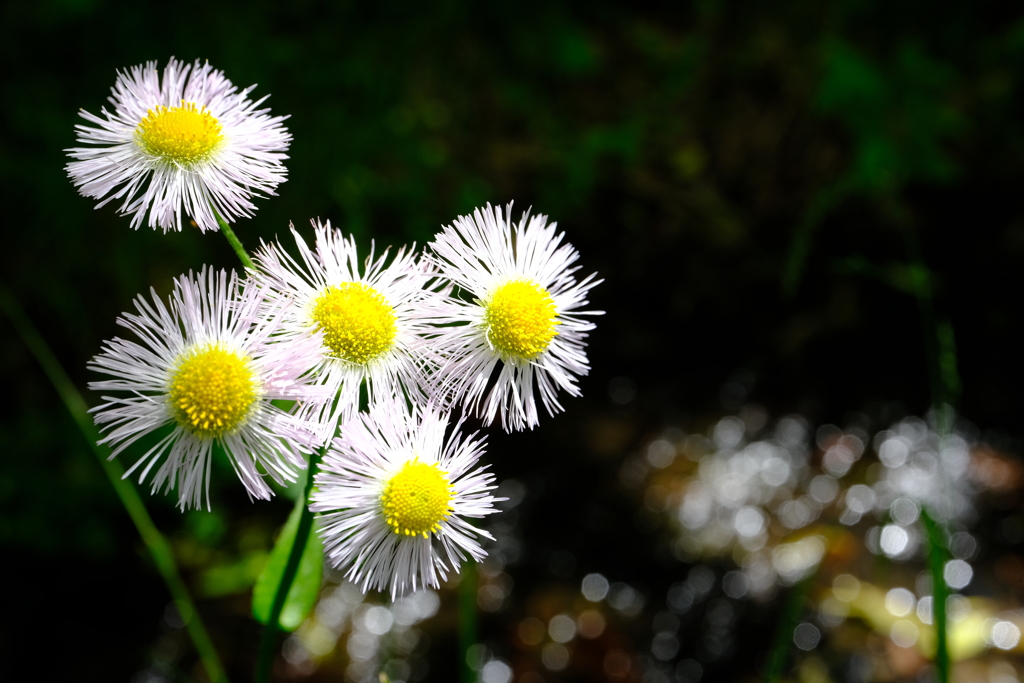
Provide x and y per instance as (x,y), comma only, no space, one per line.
(373,355)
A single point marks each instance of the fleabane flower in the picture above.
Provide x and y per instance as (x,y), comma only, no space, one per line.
(369,316)
(394,496)
(207,365)
(519,317)
(189,141)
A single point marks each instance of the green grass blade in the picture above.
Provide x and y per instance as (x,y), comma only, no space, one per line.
(157,545)
(304,529)
(305,587)
(937,556)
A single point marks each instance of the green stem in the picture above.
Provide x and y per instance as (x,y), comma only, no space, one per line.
(268,644)
(826,199)
(787,625)
(233,240)
(467,620)
(940,349)
(940,592)
(157,545)
(939,343)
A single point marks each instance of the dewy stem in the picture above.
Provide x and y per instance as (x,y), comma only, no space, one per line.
(233,240)
(268,644)
(157,545)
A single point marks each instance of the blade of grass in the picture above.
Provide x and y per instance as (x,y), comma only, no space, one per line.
(940,592)
(940,350)
(787,625)
(305,588)
(157,545)
(467,620)
(268,643)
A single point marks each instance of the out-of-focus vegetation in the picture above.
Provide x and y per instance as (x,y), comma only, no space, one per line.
(811,209)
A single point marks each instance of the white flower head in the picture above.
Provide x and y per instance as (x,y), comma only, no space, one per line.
(370,315)
(189,139)
(520,314)
(207,365)
(394,496)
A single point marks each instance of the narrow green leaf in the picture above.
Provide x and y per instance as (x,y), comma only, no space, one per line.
(157,544)
(306,586)
(937,556)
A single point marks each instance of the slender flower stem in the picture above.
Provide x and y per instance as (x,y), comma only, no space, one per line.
(791,611)
(940,592)
(233,240)
(940,352)
(467,620)
(268,644)
(157,545)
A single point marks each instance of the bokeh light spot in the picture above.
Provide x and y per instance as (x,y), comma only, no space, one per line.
(957,574)
(806,636)
(904,633)
(899,602)
(595,587)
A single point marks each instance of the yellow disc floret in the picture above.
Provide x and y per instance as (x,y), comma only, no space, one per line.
(183,135)
(417,499)
(212,391)
(520,319)
(358,323)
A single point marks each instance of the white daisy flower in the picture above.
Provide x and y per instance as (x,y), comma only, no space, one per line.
(394,496)
(370,317)
(522,316)
(189,138)
(206,365)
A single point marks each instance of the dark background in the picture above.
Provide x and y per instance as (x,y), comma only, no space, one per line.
(800,206)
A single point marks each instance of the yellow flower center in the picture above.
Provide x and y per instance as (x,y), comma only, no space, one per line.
(212,391)
(183,135)
(417,499)
(520,319)
(358,323)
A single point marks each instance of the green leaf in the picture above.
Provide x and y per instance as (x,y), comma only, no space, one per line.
(306,586)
